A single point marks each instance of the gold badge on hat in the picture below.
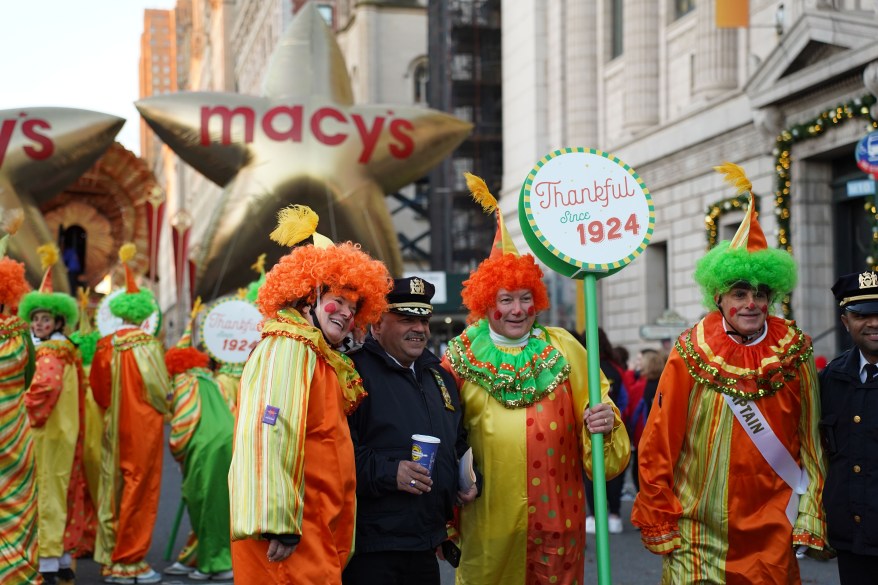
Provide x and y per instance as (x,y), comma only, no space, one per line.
(416,286)
(868,280)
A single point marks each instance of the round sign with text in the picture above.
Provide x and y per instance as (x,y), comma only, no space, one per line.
(866,153)
(584,210)
(230,330)
(108,323)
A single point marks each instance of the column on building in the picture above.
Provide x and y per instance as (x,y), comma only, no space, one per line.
(641,54)
(581,73)
(716,54)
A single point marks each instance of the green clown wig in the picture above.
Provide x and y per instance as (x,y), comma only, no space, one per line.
(746,258)
(46,299)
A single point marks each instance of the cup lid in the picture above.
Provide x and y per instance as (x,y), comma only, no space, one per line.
(426,438)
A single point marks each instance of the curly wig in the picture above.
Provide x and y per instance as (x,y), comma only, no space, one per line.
(87,344)
(723,266)
(12,282)
(56,304)
(505,271)
(180,359)
(343,269)
(133,307)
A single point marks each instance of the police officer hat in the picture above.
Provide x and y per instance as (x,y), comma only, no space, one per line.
(857,292)
(411,296)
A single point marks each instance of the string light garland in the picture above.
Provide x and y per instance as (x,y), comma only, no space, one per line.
(856,108)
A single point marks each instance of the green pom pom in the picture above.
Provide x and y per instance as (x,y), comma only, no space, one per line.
(87,344)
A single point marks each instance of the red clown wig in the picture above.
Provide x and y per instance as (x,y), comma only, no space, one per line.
(342,269)
(180,359)
(503,271)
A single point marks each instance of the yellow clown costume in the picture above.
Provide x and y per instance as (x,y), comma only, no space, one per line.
(731,466)
(523,405)
(18,499)
(55,402)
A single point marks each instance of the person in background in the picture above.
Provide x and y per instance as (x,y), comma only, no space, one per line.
(292,480)
(524,391)
(402,510)
(201,441)
(55,402)
(849,406)
(651,371)
(130,382)
(614,372)
(18,497)
(731,467)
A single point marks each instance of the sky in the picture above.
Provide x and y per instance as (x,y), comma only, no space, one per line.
(74,54)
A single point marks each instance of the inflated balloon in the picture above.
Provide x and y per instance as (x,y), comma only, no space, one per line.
(304,141)
(42,151)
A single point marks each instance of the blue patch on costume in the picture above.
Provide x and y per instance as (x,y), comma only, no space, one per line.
(270,416)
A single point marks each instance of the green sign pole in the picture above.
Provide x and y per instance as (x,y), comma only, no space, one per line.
(586,214)
(597,440)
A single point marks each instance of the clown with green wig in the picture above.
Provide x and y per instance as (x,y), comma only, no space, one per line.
(731,465)
(130,381)
(55,406)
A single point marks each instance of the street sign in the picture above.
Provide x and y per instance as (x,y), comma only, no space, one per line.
(860,187)
(866,154)
(583,210)
(230,330)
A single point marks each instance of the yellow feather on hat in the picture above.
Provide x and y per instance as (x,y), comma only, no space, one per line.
(127,252)
(196,308)
(48,255)
(12,221)
(294,224)
(480,192)
(735,176)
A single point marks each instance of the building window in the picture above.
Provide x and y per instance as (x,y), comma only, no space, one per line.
(616,34)
(657,301)
(419,79)
(683,7)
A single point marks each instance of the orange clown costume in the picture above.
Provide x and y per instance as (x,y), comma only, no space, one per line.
(731,466)
(18,499)
(523,402)
(292,478)
(129,379)
(55,403)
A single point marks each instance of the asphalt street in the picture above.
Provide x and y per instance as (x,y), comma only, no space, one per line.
(630,563)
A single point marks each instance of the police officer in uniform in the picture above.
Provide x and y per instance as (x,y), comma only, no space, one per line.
(401,509)
(849,423)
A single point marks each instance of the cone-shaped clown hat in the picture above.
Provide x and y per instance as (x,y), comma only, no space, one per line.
(186,339)
(252,291)
(46,299)
(12,281)
(133,305)
(482,195)
(747,257)
(504,268)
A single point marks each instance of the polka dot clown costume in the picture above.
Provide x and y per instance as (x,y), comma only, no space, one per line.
(523,401)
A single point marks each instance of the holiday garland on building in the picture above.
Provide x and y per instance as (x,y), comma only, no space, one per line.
(856,108)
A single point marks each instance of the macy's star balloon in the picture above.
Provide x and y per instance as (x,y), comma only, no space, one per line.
(42,151)
(304,141)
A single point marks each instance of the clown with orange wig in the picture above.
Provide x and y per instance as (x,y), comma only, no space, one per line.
(18,498)
(524,390)
(292,479)
(201,441)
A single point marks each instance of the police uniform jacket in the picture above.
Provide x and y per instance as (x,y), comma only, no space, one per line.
(402,402)
(849,425)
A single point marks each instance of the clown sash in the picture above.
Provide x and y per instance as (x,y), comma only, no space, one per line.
(772,450)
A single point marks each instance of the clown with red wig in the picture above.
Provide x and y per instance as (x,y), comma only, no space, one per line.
(18,498)
(524,390)
(201,441)
(292,479)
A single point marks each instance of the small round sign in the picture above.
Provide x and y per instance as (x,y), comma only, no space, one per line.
(583,210)
(866,153)
(108,323)
(230,331)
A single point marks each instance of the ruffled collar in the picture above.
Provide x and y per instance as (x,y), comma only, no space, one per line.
(12,326)
(514,376)
(744,371)
(290,323)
